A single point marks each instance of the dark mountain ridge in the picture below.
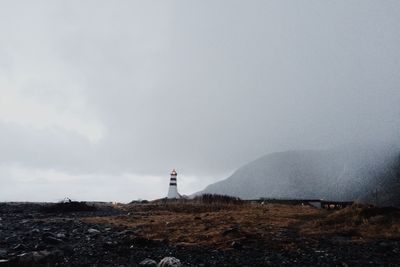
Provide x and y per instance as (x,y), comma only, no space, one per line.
(368,174)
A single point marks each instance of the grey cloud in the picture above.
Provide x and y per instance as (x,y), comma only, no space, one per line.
(55,149)
(206,86)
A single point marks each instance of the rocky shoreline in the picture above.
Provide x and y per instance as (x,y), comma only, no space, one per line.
(31,237)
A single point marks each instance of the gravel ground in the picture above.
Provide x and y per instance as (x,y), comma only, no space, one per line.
(30,237)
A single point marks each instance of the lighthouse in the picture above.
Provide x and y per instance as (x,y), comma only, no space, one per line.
(173,189)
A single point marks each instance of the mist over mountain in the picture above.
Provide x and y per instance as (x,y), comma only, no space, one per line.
(346,173)
(101,99)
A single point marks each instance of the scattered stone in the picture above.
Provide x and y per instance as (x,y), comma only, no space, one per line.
(384,244)
(40,246)
(4,262)
(170,262)
(141,241)
(52,240)
(68,206)
(109,244)
(93,231)
(60,235)
(384,247)
(24,245)
(3,253)
(34,256)
(148,263)
(19,247)
(236,245)
(125,233)
(230,231)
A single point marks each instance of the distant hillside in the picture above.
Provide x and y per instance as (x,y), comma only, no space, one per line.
(341,174)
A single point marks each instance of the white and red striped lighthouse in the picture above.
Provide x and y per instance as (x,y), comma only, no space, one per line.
(173,188)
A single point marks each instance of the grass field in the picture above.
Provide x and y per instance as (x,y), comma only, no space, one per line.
(222,225)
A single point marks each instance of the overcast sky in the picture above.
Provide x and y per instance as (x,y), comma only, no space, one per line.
(99,100)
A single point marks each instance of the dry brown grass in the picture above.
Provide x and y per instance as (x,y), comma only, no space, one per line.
(358,221)
(179,207)
(274,225)
(202,225)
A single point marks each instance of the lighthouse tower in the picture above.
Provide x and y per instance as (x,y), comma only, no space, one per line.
(173,189)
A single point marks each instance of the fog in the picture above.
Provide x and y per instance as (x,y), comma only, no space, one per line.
(100,100)
(348,173)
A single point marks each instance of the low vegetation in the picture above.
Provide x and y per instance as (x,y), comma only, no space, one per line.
(201,224)
(358,221)
(212,199)
(202,203)
(68,206)
(221,222)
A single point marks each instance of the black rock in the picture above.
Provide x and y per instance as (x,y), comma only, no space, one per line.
(5,262)
(60,235)
(52,240)
(141,241)
(236,245)
(170,262)
(3,253)
(34,256)
(68,206)
(230,231)
(93,231)
(148,263)
(110,244)
(19,247)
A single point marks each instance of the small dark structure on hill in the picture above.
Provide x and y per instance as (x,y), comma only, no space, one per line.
(318,203)
(335,205)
